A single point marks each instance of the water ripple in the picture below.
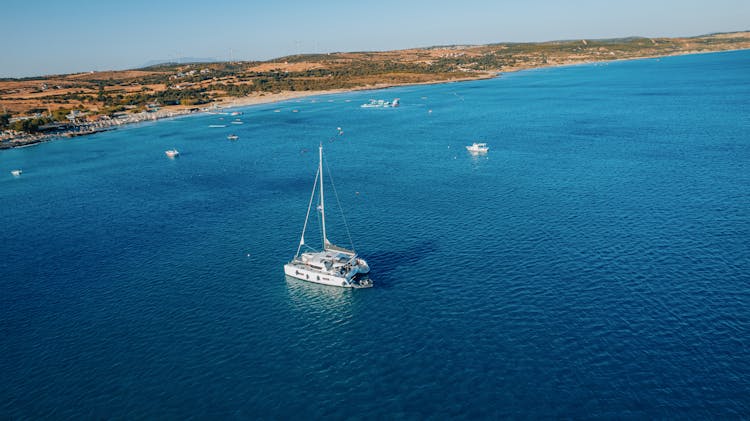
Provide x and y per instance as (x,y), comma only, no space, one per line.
(593,265)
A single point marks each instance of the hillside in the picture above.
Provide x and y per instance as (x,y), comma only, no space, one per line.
(98,95)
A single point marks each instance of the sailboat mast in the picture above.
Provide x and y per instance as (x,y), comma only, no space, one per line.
(322,203)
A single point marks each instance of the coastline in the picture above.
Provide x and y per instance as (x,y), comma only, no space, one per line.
(287,95)
(23,140)
(26,139)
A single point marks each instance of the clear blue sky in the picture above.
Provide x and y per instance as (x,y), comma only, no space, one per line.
(46,37)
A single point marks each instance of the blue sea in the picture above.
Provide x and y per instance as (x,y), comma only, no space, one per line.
(594,264)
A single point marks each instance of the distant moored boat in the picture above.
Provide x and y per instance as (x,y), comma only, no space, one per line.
(380,103)
(478,148)
(172,153)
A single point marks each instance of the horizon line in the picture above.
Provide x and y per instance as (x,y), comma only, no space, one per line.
(271,60)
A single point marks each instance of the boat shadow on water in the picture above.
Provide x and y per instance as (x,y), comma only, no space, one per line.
(385,264)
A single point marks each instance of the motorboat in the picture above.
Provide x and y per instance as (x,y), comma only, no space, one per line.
(478,148)
(381,103)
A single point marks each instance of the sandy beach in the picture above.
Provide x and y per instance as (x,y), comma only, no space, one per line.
(9,139)
(16,140)
(266,98)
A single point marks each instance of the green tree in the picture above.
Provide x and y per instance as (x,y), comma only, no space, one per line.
(4,121)
(30,125)
(60,114)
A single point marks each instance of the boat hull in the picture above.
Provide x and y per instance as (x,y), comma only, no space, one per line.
(325,278)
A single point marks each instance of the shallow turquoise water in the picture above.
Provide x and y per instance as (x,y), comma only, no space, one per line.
(594,264)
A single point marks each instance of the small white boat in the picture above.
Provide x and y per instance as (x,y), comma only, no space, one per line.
(217,125)
(236,113)
(381,103)
(233,137)
(172,153)
(478,148)
(238,121)
(16,173)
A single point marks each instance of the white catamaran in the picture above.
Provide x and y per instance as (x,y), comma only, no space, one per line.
(333,265)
